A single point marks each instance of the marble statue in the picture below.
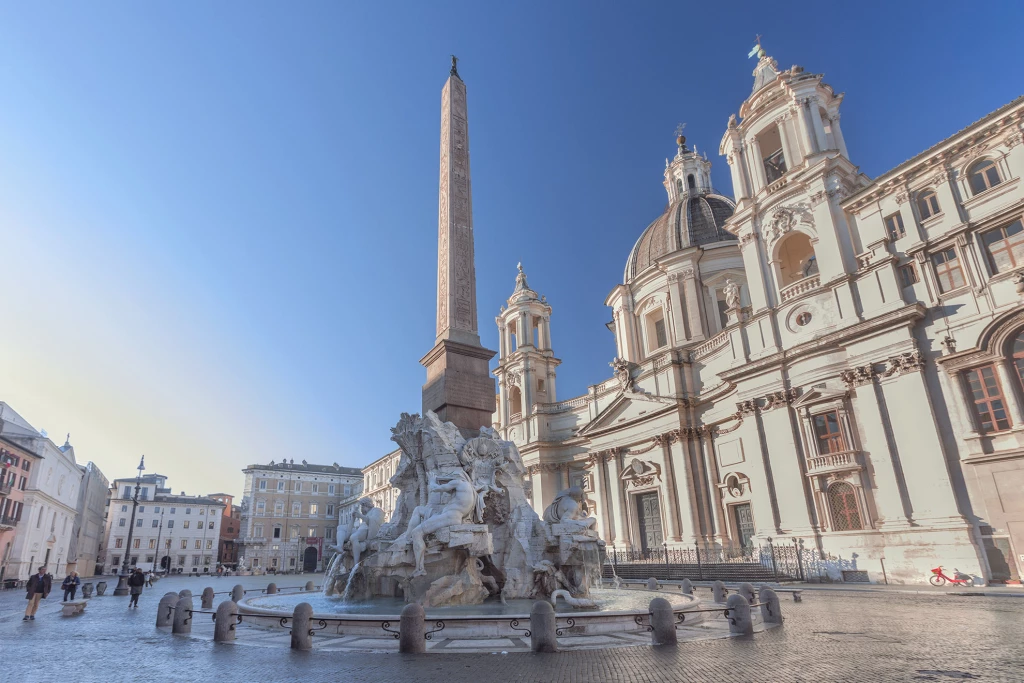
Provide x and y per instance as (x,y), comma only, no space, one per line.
(732,295)
(372,518)
(460,506)
(570,507)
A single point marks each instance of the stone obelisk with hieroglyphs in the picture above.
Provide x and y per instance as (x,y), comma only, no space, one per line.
(459,385)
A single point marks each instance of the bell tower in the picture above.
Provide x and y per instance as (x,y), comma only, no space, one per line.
(526,363)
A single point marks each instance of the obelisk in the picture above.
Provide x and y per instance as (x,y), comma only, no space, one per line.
(459,385)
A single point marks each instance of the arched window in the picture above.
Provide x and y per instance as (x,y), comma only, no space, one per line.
(656,334)
(679,186)
(691,182)
(842,505)
(927,204)
(983,175)
(515,403)
(796,258)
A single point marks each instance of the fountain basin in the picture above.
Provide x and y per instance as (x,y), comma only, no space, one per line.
(618,612)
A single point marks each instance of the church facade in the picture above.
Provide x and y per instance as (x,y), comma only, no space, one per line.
(822,358)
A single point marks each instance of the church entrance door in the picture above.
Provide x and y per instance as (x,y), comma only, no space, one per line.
(309,559)
(648,509)
(744,524)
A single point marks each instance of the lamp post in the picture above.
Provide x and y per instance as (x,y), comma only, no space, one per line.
(159,532)
(122,579)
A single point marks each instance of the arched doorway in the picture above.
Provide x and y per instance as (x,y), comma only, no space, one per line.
(165,562)
(309,559)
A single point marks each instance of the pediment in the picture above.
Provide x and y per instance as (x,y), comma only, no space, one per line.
(626,408)
(819,395)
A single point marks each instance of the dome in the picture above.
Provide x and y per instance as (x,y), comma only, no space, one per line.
(691,220)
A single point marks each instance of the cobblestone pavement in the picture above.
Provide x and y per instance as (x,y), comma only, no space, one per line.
(828,637)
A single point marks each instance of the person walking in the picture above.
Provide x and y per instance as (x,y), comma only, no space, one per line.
(38,588)
(70,585)
(135,583)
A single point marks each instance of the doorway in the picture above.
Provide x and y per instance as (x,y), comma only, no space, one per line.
(648,514)
(744,520)
(309,559)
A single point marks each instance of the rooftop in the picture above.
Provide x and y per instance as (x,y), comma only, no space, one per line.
(291,466)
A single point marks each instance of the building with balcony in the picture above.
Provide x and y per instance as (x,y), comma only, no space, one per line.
(290,514)
(175,533)
(48,482)
(823,359)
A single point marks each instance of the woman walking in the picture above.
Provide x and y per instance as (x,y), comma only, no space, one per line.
(135,582)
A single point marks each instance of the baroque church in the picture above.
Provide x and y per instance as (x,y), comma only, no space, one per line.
(823,359)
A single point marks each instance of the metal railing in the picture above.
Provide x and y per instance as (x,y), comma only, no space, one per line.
(7,520)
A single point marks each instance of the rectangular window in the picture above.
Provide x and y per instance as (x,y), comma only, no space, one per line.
(170,524)
(124,508)
(659,332)
(280,485)
(277,532)
(261,507)
(117,560)
(312,532)
(202,511)
(185,525)
(209,525)
(828,432)
(348,489)
(199,544)
(1004,247)
(329,533)
(142,508)
(152,543)
(908,274)
(195,560)
(947,270)
(156,523)
(136,542)
(257,530)
(157,509)
(122,521)
(138,522)
(118,542)
(188,511)
(989,407)
(184,544)
(127,492)
(298,486)
(172,510)
(894,227)
(330,510)
(316,488)
(330,489)
(313,508)
(263,484)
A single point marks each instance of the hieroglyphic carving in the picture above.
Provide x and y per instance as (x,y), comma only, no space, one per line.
(456,273)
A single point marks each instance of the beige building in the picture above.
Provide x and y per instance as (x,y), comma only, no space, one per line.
(377,482)
(290,513)
(87,532)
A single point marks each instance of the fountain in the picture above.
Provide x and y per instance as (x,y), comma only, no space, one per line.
(463,530)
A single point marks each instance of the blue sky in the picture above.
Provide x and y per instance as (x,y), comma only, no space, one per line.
(218,220)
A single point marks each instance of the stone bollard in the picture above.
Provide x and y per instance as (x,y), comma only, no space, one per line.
(747,591)
(186,593)
(87,590)
(310,586)
(739,615)
(182,615)
(237,593)
(101,588)
(652,584)
(686,587)
(412,636)
(302,639)
(271,588)
(771,610)
(718,591)
(165,610)
(224,626)
(663,622)
(207,598)
(542,627)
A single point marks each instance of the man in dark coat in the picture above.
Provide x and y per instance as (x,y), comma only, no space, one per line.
(70,585)
(135,583)
(38,588)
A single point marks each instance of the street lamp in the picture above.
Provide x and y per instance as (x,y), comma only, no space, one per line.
(122,579)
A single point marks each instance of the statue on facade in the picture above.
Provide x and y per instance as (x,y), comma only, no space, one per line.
(732,295)
(460,505)
(372,518)
(570,507)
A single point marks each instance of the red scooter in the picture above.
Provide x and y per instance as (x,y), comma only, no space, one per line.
(958,579)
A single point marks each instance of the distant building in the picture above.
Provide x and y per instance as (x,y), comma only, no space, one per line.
(377,482)
(175,533)
(290,514)
(49,499)
(230,526)
(15,467)
(87,532)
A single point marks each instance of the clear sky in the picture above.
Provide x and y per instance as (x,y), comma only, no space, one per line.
(218,220)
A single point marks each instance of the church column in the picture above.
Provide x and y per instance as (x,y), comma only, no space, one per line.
(671,490)
(837,133)
(807,136)
(618,512)
(502,346)
(819,127)
(739,186)
(787,147)
(715,498)
(693,304)
(757,165)
(603,504)
(683,475)
(675,296)
(525,333)
(1008,381)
